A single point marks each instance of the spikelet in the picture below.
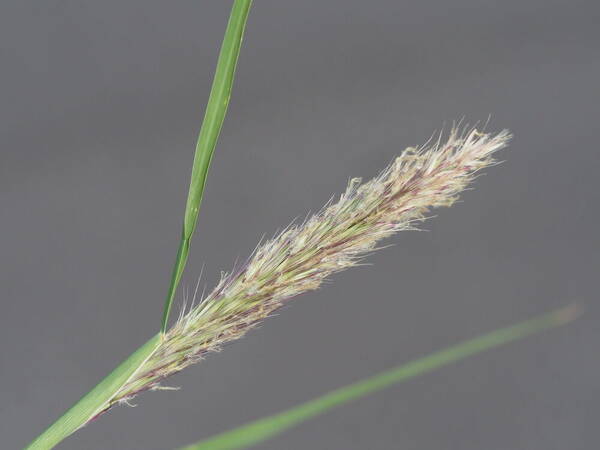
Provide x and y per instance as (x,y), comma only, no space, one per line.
(302,256)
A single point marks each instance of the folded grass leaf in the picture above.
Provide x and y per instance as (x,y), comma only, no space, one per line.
(218,101)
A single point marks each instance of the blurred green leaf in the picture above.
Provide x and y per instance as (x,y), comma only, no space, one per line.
(268,427)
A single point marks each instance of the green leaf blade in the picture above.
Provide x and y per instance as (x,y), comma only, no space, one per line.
(210,129)
(268,427)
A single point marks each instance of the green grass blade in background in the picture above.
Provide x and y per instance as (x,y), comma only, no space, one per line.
(207,139)
(263,429)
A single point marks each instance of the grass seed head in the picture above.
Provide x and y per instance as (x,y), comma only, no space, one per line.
(300,257)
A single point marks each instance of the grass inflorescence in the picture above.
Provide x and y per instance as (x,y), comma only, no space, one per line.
(295,261)
(299,258)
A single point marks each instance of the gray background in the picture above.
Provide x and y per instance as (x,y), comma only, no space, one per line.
(100,103)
